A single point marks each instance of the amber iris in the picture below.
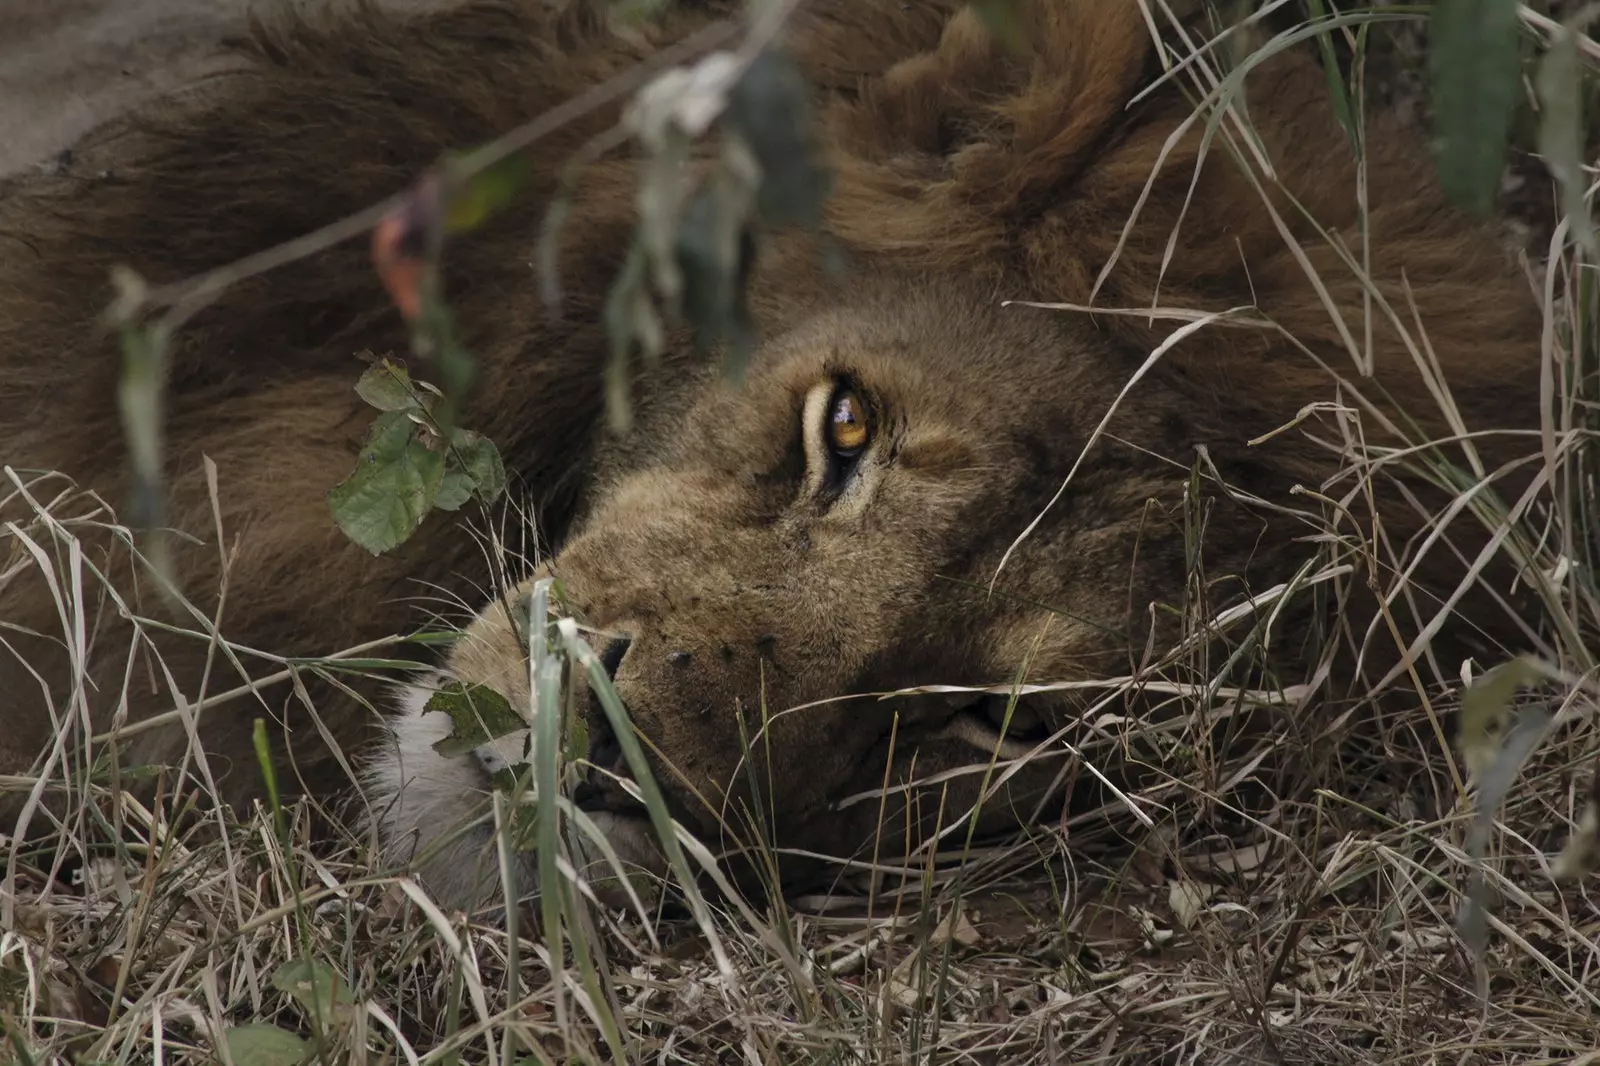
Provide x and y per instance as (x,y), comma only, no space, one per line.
(847,424)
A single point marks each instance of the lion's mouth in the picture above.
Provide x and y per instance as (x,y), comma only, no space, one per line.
(982,726)
(602,793)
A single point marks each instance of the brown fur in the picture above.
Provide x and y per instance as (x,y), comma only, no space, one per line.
(966,175)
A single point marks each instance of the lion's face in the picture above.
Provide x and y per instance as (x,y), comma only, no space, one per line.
(829,529)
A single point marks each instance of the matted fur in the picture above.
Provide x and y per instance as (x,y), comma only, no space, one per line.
(966,175)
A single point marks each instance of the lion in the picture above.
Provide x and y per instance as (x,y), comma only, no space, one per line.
(938,469)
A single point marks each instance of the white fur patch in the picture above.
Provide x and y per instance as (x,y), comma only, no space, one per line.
(425,804)
(430,808)
(502,753)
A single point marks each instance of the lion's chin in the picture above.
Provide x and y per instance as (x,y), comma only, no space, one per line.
(431,815)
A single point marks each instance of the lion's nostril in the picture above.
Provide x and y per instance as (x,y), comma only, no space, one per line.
(612,655)
(586,796)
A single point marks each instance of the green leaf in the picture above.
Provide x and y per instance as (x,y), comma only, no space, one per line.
(1003,19)
(473,465)
(454,490)
(577,737)
(1338,94)
(141,400)
(25,1054)
(480,715)
(1474,60)
(628,316)
(770,107)
(480,460)
(1581,856)
(1561,133)
(636,11)
(503,780)
(435,338)
(265,1045)
(716,253)
(269,773)
(316,986)
(1487,712)
(1495,739)
(435,637)
(384,501)
(387,386)
(486,193)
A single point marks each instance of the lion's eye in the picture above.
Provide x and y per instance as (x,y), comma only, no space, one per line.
(848,432)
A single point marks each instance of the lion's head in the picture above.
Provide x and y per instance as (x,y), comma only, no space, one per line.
(783,551)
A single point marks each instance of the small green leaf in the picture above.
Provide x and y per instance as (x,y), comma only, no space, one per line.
(480,460)
(628,317)
(454,490)
(141,399)
(435,638)
(577,737)
(265,1045)
(385,500)
(1487,713)
(387,386)
(316,986)
(1495,739)
(770,107)
(1560,85)
(716,253)
(1474,60)
(473,465)
(1581,856)
(435,338)
(480,715)
(635,11)
(25,1054)
(1003,19)
(486,193)
(1338,94)
(269,773)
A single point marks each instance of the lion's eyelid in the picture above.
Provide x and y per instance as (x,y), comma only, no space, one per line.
(813,418)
